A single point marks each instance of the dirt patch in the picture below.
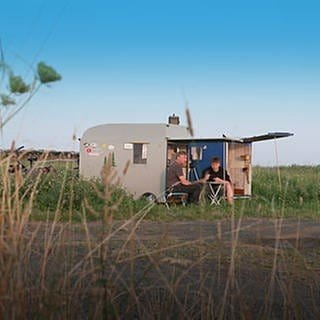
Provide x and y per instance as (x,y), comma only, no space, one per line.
(228,269)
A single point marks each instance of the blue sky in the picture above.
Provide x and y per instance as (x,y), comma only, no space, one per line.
(244,67)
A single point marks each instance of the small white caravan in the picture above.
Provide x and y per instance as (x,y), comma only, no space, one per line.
(151,147)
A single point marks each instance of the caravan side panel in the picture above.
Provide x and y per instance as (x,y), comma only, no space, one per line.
(143,146)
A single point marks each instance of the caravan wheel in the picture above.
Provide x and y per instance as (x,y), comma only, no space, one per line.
(149,196)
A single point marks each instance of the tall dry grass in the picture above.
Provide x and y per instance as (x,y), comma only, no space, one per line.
(138,269)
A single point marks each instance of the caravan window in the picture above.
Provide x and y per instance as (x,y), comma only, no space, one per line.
(140,153)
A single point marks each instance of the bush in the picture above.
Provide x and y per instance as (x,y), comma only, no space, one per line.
(63,190)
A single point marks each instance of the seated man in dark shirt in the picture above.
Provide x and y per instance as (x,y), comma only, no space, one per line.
(220,176)
(178,182)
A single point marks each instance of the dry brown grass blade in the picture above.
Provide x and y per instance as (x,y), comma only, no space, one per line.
(126,168)
(189,121)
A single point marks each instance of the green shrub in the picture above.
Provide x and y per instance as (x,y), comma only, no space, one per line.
(63,190)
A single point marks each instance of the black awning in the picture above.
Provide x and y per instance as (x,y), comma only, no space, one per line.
(268,136)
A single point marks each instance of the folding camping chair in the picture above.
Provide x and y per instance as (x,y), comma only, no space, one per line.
(214,194)
(172,197)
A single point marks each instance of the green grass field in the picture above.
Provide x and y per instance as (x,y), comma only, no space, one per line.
(292,191)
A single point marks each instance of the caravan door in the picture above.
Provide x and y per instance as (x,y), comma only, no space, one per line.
(239,160)
(239,167)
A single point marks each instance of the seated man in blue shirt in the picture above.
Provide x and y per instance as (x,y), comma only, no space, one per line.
(220,176)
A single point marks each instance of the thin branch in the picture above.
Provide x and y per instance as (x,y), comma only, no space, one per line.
(20,107)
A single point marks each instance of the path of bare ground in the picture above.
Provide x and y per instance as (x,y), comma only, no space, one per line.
(226,269)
